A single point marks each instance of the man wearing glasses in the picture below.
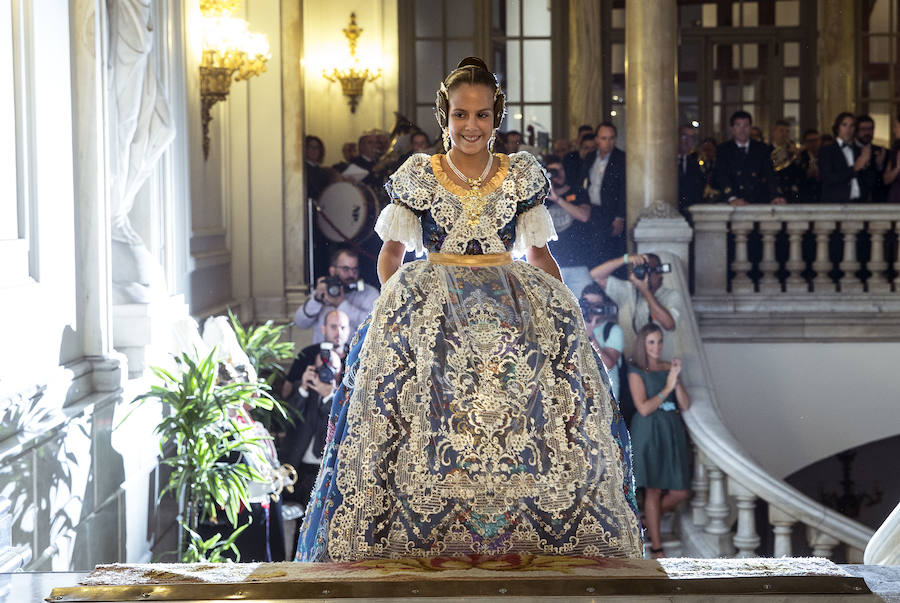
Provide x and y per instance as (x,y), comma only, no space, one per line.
(355,299)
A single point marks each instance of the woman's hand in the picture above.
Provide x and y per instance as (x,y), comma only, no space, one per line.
(674,372)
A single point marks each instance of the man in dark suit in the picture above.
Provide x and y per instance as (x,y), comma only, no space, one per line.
(744,170)
(691,179)
(872,175)
(841,162)
(603,177)
(584,144)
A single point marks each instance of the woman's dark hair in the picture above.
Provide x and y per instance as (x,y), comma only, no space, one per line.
(639,353)
(471,70)
(312,138)
(837,121)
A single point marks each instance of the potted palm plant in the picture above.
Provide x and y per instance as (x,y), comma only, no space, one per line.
(206,479)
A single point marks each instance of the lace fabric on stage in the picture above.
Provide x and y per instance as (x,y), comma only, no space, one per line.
(473,418)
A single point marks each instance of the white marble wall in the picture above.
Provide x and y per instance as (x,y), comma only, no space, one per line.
(797,403)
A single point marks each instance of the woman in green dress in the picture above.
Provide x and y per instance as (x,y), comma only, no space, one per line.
(662,457)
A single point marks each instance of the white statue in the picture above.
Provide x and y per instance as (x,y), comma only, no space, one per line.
(140,130)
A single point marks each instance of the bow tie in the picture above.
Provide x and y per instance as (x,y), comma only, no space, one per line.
(844,144)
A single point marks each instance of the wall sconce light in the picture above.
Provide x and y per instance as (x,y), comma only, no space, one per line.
(352,77)
(229,49)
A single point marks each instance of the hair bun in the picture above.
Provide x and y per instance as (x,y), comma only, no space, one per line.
(474,62)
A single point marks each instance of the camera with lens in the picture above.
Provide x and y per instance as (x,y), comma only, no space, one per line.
(325,373)
(336,286)
(642,270)
(590,310)
(553,173)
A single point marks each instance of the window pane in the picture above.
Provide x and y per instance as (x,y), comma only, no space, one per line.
(688,57)
(880,89)
(710,16)
(880,49)
(428,20)
(460,18)
(512,17)
(717,119)
(750,14)
(687,92)
(617,63)
(883,19)
(792,54)
(690,15)
(792,113)
(688,113)
(540,117)
(457,50)
(618,18)
(513,119)
(513,72)
(750,53)
(787,13)
(749,93)
(537,77)
(883,117)
(791,88)
(428,59)
(717,91)
(536,18)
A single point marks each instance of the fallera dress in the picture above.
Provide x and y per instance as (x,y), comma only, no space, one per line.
(473,418)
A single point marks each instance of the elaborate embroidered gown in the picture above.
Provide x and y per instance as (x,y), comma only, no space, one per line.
(473,418)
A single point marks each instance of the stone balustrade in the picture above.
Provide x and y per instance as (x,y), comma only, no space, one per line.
(720,520)
(796,249)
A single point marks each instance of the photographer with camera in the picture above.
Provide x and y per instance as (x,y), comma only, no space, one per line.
(342,289)
(642,298)
(307,392)
(570,210)
(601,323)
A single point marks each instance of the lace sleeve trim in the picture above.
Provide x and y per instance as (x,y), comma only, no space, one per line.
(398,223)
(408,185)
(534,228)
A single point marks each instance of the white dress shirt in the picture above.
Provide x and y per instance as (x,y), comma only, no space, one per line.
(597,170)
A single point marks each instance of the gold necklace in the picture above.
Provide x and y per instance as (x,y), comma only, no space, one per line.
(472,201)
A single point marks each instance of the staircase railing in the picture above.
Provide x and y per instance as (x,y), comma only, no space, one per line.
(727,481)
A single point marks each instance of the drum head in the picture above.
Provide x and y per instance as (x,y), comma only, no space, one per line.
(347,211)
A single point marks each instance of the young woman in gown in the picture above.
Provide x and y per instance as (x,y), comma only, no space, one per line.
(662,455)
(473,418)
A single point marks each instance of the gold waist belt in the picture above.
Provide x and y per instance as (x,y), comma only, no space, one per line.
(485,259)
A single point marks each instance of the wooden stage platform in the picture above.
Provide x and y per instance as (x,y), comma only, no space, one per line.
(507,578)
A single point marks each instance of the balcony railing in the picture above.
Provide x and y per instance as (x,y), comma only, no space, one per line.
(837,250)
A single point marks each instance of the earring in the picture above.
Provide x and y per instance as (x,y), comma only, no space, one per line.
(446,137)
(491,141)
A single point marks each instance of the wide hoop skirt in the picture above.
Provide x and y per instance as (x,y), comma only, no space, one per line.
(472,419)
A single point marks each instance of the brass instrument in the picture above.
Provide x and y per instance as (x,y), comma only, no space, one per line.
(784,155)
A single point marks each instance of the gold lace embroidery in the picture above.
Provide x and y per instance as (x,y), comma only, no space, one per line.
(486,189)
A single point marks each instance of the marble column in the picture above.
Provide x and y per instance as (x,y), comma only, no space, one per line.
(92,188)
(585,57)
(837,60)
(651,32)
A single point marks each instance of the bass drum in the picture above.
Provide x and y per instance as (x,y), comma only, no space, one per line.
(346,211)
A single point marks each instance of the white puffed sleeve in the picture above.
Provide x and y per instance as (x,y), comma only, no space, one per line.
(398,223)
(533,228)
